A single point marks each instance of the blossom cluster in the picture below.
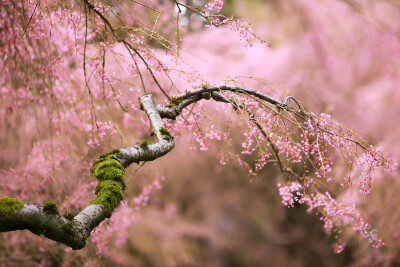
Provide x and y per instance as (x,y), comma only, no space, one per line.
(216,5)
(290,193)
(313,143)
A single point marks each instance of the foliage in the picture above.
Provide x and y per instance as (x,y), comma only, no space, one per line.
(71,72)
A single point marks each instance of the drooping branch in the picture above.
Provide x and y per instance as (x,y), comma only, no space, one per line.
(297,116)
(173,110)
(45,220)
(129,46)
(180,102)
(109,170)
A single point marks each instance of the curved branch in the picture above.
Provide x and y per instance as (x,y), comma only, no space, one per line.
(45,220)
(173,110)
(109,169)
(129,155)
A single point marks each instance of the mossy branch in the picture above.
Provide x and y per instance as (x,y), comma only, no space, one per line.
(109,170)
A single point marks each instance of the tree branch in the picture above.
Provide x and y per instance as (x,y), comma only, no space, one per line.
(151,152)
(109,170)
(45,220)
(175,108)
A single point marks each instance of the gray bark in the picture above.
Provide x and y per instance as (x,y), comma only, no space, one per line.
(75,233)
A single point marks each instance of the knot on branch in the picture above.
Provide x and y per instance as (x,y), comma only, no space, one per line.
(287,99)
(206,95)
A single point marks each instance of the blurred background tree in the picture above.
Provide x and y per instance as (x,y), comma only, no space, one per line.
(338,57)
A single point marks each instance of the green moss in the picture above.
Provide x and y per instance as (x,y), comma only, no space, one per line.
(166,134)
(68,227)
(68,216)
(145,144)
(164,131)
(104,156)
(9,205)
(108,194)
(109,169)
(174,101)
(166,137)
(50,207)
(110,174)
